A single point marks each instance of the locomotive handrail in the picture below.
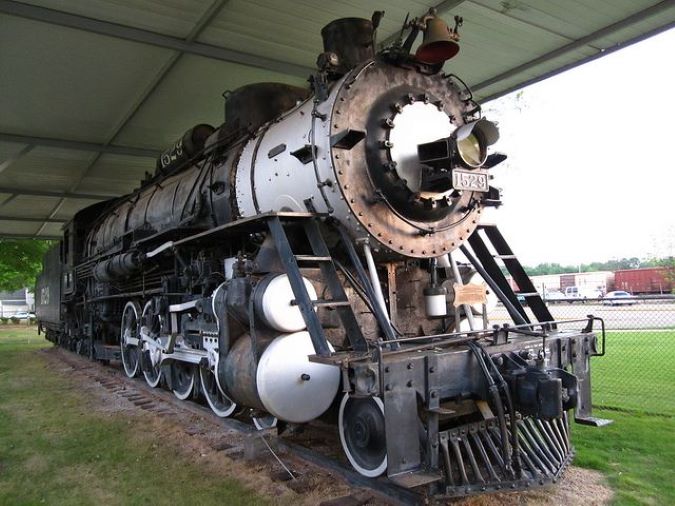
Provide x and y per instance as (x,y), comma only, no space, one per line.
(252,220)
(382,318)
(507,327)
(458,338)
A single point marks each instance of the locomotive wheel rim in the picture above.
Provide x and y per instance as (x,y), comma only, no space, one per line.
(130,355)
(361,427)
(154,375)
(219,403)
(264,422)
(183,376)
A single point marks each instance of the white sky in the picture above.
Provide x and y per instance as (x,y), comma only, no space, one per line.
(591,168)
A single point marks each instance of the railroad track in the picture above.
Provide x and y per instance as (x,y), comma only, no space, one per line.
(237,435)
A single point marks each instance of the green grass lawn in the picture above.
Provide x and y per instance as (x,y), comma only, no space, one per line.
(20,338)
(637,373)
(54,450)
(636,452)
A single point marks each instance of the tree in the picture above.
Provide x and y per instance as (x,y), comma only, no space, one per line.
(550,268)
(669,265)
(609,265)
(21,262)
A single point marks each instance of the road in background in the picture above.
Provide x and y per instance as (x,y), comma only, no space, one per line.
(646,314)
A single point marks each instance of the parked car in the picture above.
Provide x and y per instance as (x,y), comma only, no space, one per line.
(23,315)
(554,296)
(619,298)
(575,293)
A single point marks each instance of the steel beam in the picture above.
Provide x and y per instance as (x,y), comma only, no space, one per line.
(574,44)
(97,26)
(32,220)
(7,200)
(206,18)
(212,11)
(441,7)
(30,236)
(79,145)
(583,41)
(577,63)
(9,161)
(526,22)
(47,193)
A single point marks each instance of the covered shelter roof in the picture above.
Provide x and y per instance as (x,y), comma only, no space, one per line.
(92,91)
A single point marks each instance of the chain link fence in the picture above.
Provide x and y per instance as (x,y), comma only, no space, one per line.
(638,371)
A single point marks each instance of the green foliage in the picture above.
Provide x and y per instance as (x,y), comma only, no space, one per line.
(20,262)
(609,265)
(550,268)
(669,265)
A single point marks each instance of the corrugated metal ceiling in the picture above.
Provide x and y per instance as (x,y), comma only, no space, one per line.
(91,91)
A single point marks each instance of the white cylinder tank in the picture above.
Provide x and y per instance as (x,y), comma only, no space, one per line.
(290,386)
(274,299)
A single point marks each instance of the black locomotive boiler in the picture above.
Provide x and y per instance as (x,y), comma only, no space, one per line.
(324,247)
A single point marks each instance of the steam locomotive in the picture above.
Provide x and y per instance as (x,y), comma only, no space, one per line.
(322,252)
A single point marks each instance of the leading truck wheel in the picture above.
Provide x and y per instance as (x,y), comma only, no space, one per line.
(129,338)
(264,422)
(362,434)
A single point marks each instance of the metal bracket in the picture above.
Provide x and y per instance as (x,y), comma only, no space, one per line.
(593,421)
(401,417)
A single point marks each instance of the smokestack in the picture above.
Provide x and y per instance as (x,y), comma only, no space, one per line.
(351,39)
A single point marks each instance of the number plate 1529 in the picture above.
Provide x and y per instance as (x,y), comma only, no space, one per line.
(470,180)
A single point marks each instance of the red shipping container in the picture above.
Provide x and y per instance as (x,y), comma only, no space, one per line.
(652,280)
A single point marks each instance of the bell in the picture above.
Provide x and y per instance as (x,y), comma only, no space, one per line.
(439,42)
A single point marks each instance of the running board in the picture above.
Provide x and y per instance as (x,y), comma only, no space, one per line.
(415,478)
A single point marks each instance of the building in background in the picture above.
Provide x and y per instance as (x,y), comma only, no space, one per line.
(599,282)
(15,302)
(546,283)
